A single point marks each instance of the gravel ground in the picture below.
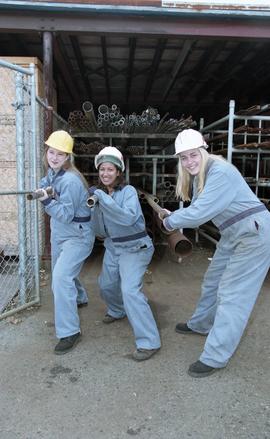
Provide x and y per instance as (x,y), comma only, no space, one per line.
(98,392)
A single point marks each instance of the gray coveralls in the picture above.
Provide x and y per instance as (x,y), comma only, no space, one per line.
(72,240)
(240,263)
(129,250)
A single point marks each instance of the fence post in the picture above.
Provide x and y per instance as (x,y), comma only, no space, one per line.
(34,177)
(19,107)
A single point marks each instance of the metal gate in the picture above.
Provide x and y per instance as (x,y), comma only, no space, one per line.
(22,116)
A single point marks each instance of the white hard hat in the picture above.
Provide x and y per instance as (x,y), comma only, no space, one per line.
(112,155)
(189,139)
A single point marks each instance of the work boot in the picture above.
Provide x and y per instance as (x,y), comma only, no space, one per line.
(143,354)
(82,304)
(200,370)
(66,344)
(110,319)
(183,328)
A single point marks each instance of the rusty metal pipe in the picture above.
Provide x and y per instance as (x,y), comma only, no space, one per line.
(39,193)
(178,243)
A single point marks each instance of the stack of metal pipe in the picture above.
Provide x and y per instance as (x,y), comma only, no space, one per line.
(111,120)
(175,125)
(166,191)
(88,148)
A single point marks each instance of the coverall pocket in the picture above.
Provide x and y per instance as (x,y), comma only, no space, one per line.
(254,227)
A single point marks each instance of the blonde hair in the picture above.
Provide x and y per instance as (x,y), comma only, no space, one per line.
(68,165)
(184,179)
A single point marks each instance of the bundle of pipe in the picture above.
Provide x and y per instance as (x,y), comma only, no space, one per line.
(135,150)
(110,119)
(77,121)
(174,125)
(88,148)
(74,119)
(166,191)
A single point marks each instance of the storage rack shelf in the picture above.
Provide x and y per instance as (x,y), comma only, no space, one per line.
(150,165)
(244,139)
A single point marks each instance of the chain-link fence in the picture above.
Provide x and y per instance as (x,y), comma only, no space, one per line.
(22,236)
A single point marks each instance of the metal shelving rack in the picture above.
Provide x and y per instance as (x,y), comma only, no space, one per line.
(152,162)
(243,138)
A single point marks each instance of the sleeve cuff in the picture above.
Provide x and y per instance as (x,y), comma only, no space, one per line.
(47,201)
(167,225)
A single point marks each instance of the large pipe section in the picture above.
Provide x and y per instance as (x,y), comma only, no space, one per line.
(178,242)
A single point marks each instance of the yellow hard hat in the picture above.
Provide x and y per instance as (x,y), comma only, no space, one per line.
(60,140)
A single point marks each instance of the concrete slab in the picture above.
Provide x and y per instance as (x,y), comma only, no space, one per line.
(97,391)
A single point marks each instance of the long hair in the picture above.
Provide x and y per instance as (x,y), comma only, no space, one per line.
(184,179)
(68,165)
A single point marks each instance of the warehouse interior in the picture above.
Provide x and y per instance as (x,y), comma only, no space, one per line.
(134,78)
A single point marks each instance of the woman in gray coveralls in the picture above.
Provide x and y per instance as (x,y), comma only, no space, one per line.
(242,257)
(118,217)
(72,237)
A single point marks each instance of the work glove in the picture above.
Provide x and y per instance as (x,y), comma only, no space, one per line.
(164,213)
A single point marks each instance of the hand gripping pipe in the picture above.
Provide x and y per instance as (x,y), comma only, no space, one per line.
(177,242)
(39,193)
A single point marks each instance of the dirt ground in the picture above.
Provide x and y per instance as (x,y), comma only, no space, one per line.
(98,392)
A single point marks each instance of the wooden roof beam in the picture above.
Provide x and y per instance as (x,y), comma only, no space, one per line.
(154,67)
(132,49)
(177,67)
(81,65)
(66,69)
(106,70)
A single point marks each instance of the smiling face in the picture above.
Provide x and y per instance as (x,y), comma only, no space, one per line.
(191,161)
(56,158)
(108,173)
